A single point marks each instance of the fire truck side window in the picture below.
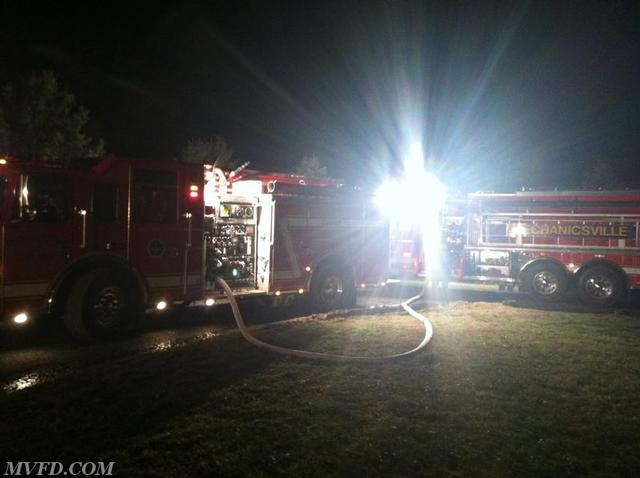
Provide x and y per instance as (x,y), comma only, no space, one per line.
(496,232)
(43,199)
(155,197)
(105,203)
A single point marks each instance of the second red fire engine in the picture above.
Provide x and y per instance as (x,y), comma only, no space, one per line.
(546,243)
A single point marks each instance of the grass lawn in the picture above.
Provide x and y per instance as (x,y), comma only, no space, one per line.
(500,391)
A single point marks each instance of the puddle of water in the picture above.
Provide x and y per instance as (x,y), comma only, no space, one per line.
(207,335)
(27,381)
(163,346)
(31,379)
(167,345)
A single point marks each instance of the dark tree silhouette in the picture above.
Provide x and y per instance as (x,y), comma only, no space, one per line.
(311,166)
(214,151)
(40,120)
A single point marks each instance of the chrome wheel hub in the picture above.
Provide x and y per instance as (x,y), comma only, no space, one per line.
(108,306)
(598,286)
(545,283)
(332,289)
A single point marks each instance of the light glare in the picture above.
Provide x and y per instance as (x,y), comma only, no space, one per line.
(518,230)
(412,198)
(416,200)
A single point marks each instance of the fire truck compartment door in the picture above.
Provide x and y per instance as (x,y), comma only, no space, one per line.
(264,242)
(158,231)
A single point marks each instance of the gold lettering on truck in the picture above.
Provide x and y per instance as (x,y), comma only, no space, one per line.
(601,230)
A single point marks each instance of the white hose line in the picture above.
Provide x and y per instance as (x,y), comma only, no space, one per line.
(428,334)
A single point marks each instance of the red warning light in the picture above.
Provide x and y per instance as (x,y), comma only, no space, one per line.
(193,191)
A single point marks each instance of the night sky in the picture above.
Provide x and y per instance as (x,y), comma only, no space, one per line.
(501,94)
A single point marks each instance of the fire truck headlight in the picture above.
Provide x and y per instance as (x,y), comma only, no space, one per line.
(161,305)
(20,318)
(209,302)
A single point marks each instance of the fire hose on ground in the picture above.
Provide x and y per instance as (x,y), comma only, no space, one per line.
(428,334)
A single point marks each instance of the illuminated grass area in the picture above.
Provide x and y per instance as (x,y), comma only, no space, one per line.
(501,390)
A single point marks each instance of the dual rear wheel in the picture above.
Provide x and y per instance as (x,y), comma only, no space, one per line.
(600,285)
(597,285)
(545,280)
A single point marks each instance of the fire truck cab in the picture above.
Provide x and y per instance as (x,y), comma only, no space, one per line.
(100,245)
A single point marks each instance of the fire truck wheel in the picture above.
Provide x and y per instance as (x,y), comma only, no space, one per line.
(600,286)
(102,304)
(545,280)
(333,288)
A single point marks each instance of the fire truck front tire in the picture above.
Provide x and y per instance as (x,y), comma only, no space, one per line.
(545,280)
(102,304)
(600,286)
(333,287)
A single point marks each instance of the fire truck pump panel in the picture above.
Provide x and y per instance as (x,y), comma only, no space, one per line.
(230,244)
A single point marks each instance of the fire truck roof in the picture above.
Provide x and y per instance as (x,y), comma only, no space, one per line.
(283,178)
(569,195)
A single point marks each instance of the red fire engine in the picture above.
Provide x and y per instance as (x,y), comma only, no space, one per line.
(545,243)
(99,246)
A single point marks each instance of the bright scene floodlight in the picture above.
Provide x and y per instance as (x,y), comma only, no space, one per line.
(411,198)
(416,200)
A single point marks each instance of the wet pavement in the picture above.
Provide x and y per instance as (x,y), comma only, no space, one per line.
(42,351)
